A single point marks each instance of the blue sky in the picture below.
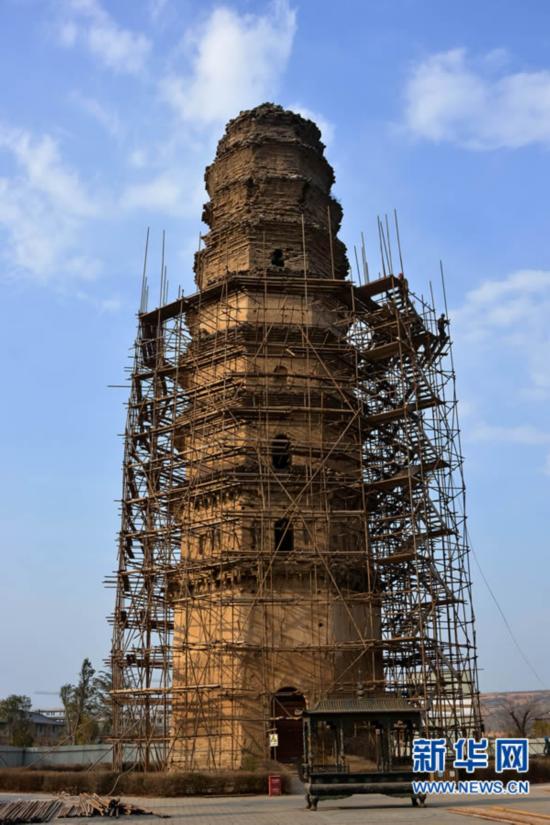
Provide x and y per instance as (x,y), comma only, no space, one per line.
(110,111)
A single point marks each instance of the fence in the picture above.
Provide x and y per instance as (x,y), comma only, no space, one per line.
(61,756)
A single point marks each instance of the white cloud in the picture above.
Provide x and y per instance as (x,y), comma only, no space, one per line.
(44,170)
(102,305)
(117,48)
(503,337)
(43,205)
(510,316)
(175,192)
(524,434)
(108,119)
(451,97)
(156,9)
(67,32)
(138,158)
(162,193)
(326,127)
(236,61)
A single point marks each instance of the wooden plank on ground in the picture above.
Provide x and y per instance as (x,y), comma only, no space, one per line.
(498,813)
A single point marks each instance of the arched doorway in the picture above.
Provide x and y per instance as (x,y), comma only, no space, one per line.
(286,718)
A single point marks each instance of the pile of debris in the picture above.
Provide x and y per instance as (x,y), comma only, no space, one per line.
(30,810)
(86,804)
(90,804)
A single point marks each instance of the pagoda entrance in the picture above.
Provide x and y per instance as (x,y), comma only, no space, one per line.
(286,718)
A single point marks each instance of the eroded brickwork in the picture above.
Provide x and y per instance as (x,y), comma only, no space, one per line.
(268,175)
(292,520)
(275,592)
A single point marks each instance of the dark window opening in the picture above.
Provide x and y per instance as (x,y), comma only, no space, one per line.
(280,452)
(277,259)
(280,374)
(284,536)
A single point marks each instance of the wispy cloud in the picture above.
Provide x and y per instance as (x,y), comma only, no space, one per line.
(503,336)
(107,118)
(236,61)
(156,9)
(523,435)
(162,193)
(87,23)
(230,62)
(42,207)
(101,305)
(326,127)
(44,170)
(511,316)
(453,97)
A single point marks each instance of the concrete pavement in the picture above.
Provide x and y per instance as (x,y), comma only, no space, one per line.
(290,810)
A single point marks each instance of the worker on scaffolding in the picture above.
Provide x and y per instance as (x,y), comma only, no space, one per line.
(442,324)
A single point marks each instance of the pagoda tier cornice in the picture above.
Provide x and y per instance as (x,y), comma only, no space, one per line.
(272,280)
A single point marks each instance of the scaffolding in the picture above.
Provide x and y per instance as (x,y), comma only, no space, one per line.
(149,543)
(293,504)
(292,451)
(416,505)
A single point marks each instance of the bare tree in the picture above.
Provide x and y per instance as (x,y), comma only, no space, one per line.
(519,717)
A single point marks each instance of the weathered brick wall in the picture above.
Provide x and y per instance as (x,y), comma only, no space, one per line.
(268,360)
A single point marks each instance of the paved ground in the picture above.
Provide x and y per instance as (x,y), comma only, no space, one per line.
(290,810)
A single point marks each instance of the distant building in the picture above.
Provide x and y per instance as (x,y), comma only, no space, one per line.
(47,727)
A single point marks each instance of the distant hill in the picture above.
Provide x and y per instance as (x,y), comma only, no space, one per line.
(497,709)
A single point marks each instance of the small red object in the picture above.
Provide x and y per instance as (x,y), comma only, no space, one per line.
(274,784)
